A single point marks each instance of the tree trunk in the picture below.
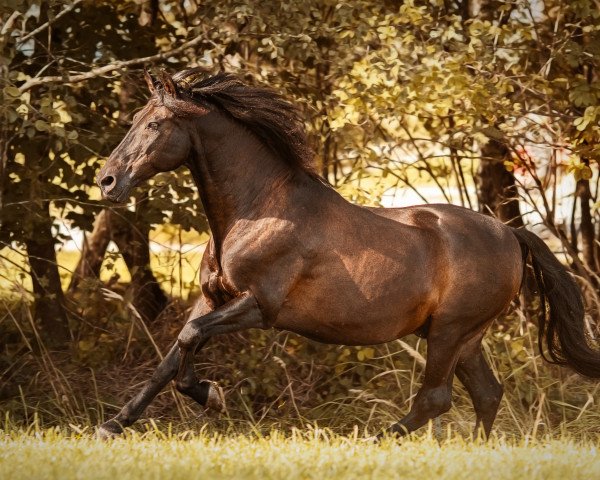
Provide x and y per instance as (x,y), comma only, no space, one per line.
(50,313)
(131,230)
(93,250)
(588,234)
(496,188)
(3,162)
(324,87)
(130,234)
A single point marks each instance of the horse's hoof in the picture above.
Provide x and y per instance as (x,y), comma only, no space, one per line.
(394,432)
(107,431)
(215,399)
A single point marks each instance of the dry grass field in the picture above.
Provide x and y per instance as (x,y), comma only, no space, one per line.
(313,454)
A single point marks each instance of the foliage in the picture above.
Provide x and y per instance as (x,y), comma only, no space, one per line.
(380,83)
(57,132)
(389,91)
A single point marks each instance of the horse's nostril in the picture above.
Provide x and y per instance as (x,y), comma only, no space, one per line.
(107,181)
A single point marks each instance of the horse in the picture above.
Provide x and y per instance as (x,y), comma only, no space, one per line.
(288,252)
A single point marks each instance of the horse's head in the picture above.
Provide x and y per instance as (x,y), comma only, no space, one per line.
(158,141)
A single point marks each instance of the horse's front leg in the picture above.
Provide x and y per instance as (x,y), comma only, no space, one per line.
(238,314)
(165,372)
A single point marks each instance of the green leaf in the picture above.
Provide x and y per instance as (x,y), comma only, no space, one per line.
(41,126)
(12,91)
(586,173)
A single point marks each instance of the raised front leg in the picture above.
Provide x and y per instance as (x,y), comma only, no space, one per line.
(238,314)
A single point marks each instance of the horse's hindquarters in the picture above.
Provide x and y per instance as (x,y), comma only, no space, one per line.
(483,268)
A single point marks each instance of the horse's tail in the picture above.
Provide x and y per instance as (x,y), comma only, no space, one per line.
(564,329)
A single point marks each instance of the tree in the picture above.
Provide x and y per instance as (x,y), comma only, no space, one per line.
(55,128)
(453,94)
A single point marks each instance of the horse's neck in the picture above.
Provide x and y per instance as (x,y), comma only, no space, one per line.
(236,175)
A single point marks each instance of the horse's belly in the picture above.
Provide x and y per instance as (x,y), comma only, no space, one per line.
(363,289)
(348,320)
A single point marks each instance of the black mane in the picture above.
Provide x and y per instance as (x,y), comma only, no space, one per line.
(263,111)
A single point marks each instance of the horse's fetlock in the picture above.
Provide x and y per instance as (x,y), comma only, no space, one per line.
(492,398)
(184,386)
(446,405)
(215,398)
(442,405)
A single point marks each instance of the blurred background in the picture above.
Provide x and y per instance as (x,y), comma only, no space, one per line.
(487,104)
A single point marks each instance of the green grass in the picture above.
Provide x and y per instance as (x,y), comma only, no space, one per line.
(313,454)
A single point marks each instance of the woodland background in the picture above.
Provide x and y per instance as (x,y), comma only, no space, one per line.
(487,104)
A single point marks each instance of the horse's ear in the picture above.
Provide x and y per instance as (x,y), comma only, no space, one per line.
(149,81)
(168,84)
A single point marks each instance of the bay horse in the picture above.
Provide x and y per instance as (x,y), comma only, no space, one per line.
(288,252)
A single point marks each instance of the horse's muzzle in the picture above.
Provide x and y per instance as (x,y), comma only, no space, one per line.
(113,188)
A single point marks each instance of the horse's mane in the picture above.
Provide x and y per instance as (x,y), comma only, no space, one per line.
(274,120)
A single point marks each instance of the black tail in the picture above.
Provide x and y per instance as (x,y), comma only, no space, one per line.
(564,328)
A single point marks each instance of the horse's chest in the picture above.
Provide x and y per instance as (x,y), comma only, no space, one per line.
(216,289)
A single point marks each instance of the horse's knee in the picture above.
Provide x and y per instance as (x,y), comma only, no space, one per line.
(188,338)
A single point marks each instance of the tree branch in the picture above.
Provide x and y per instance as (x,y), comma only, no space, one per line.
(9,23)
(96,72)
(50,22)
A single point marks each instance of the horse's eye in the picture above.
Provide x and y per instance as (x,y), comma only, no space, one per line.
(153,125)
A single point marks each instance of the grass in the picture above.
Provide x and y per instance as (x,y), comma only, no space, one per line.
(274,380)
(315,453)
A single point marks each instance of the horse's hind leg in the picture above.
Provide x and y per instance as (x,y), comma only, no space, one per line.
(435,395)
(486,392)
